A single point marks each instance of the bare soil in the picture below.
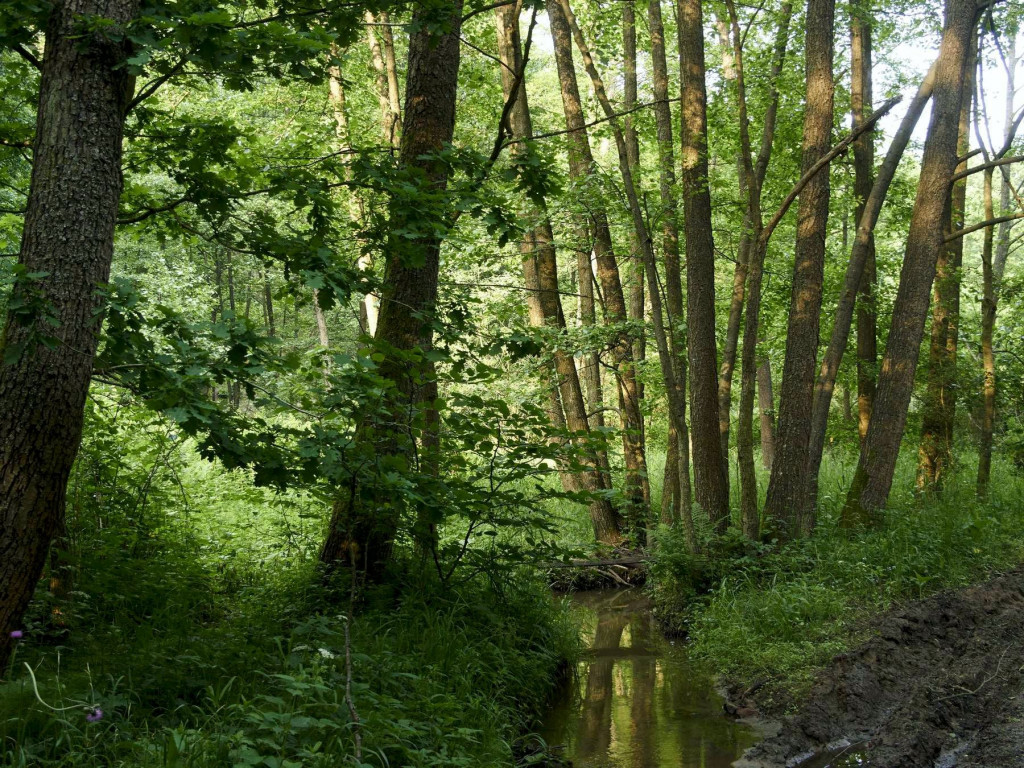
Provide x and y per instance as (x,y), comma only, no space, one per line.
(941,684)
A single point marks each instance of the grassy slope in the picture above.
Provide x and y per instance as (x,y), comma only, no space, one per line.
(781,613)
(207,640)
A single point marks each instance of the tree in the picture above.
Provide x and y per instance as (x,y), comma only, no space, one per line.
(787,504)
(68,241)
(362,534)
(540,274)
(581,170)
(872,480)
(710,472)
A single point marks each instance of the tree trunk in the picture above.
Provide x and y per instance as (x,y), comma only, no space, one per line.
(872,481)
(68,236)
(679,468)
(637,299)
(992,277)
(935,453)
(409,291)
(710,473)
(675,406)
(268,304)
(861,88)
(854,274)
(787,504)
(581,165)
(766,409)
(383,58)
(540,271)
(751,228)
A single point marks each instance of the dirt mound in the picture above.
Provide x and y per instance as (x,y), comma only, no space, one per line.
(942,684)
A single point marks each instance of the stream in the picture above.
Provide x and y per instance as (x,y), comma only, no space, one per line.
(636,701)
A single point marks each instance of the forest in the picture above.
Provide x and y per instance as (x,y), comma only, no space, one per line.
(520,383)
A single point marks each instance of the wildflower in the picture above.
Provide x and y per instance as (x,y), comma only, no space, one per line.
(95,715)
(17,634)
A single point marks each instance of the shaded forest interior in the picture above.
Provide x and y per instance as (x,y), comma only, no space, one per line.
(329,329)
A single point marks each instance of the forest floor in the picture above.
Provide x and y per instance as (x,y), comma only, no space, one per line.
(940,683)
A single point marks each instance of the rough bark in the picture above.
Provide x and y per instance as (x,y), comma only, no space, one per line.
(679,466)
(863,179)
(68,234)
(787,504)
(643,238)
(833,357)
(752,222)
(540,271)
(710,475)
(409,293)
(935,452)
(637,299)
(872,481)
(581,170)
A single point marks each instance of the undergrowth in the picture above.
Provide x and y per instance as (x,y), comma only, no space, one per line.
(757,612)
(190,628)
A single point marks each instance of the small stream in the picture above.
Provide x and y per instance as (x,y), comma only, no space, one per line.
(636,701)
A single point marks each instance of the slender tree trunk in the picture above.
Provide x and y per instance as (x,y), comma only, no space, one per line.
(68,237)
(766,410)
(935,453)
(581,169)
(992,277)
(854,274)
(710,472)
(861,65)
(872,481)
(590,368)
(637,299)
(751,229)
(383,58)
(540,268)
(787,504)
(676,409)
(409,291)
(679,466)
(268,304)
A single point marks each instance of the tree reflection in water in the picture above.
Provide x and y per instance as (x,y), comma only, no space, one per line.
(636,701)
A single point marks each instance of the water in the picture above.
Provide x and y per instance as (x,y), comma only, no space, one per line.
(636,701)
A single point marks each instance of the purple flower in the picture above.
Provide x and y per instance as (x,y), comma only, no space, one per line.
(95,715)
(17,634)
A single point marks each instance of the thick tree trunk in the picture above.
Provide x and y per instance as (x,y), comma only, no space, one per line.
(863,180)
(710,472)
(409,291)
(787,504)
(873,478)
(935,452)
(68,236)
(679,465)
(540,270)
(581,165)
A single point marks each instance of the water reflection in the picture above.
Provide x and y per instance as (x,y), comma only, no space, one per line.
(636,701)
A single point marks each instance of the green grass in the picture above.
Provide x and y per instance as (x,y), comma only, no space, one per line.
(783,612)
(198,623)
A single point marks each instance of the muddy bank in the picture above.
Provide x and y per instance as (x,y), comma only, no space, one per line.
(941,684)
